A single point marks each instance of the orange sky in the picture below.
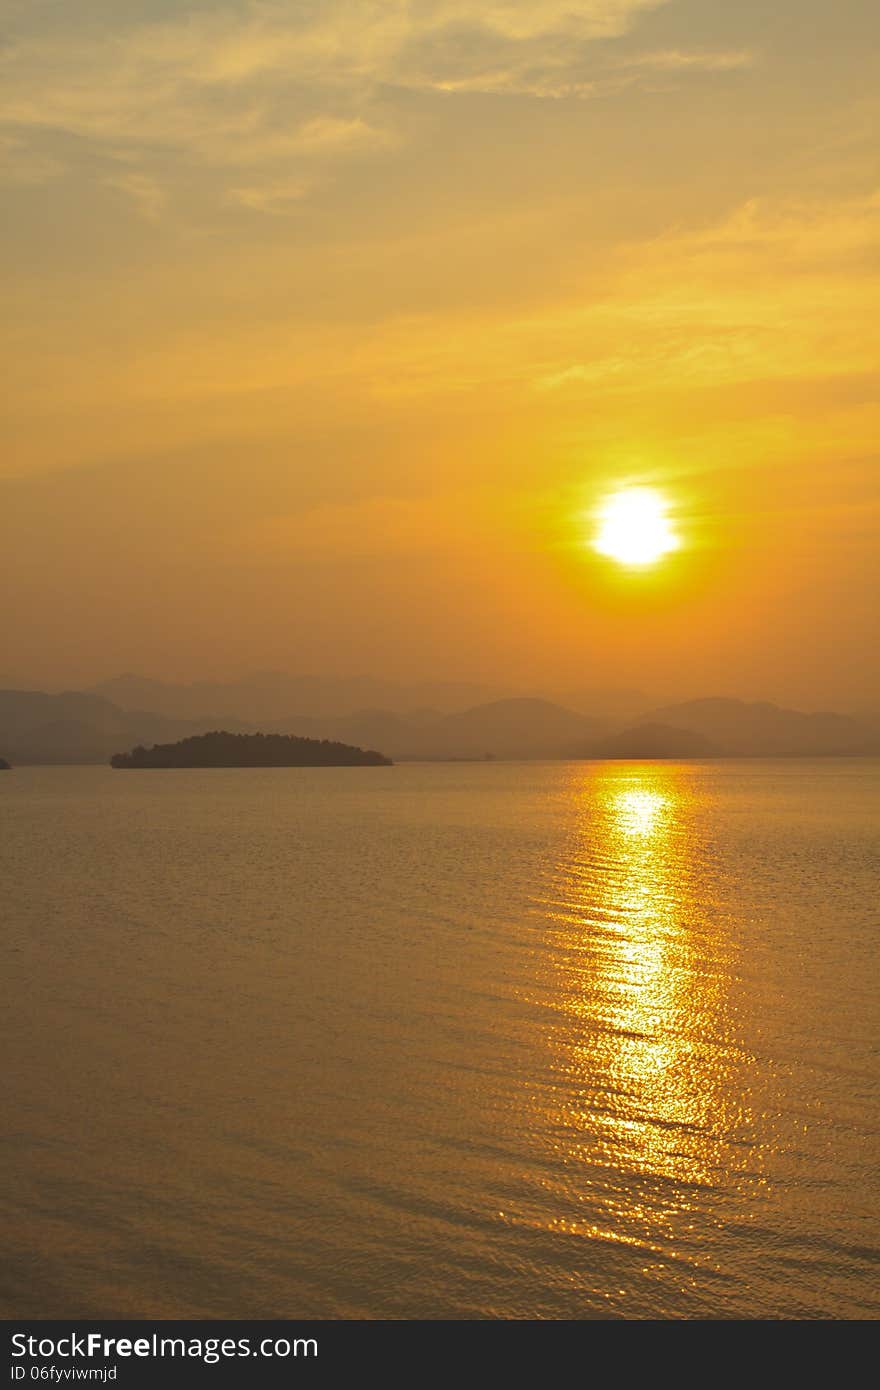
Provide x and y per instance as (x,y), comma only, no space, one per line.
(328,326)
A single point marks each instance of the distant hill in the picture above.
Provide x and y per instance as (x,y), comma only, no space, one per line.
(518,728)
(613,703)
(511,729)
(655,741)
(737,728)
(221,749)
(397,734)
(273,696)
(77,727)
(4,765)
(74,727)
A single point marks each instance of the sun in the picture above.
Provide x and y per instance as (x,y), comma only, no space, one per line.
(633,527)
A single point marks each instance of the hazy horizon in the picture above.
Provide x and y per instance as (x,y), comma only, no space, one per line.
(460,693)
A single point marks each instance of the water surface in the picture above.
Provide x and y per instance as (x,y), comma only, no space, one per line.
(516,1040)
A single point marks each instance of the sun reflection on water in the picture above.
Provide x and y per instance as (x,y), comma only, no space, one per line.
(648,1102)
(638,810)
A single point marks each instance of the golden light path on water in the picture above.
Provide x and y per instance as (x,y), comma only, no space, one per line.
(649,1109)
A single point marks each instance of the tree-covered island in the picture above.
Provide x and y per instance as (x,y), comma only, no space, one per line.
(221,749)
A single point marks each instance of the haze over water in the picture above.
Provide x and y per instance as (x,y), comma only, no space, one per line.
(518,1040)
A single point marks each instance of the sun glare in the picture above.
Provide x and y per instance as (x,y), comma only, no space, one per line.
(634,528)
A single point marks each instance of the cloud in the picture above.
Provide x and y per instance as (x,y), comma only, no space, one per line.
(145,193)
(258,92)
(696,60)
(779,289)
(22,163)
(329,135)
(273,196)
(266,81)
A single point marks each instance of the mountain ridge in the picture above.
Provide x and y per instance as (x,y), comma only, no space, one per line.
(80,726)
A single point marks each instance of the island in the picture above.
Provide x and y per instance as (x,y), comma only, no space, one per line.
(221,749)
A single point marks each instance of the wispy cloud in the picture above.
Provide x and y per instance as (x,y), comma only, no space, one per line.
(696,60)
(733,303)
(275,83)
(145,193)
(22,163)
(276,196)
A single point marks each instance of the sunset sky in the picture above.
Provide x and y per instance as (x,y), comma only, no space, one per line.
(330,325)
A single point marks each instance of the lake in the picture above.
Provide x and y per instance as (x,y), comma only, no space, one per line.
(553,1040)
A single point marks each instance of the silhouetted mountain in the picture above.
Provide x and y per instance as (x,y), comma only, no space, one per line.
(740,729)
(505,728)
(77,728)
(273,696)
(368,728)
(521,728)
(511,729)
(655,741)
(221,749)
(613,704)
